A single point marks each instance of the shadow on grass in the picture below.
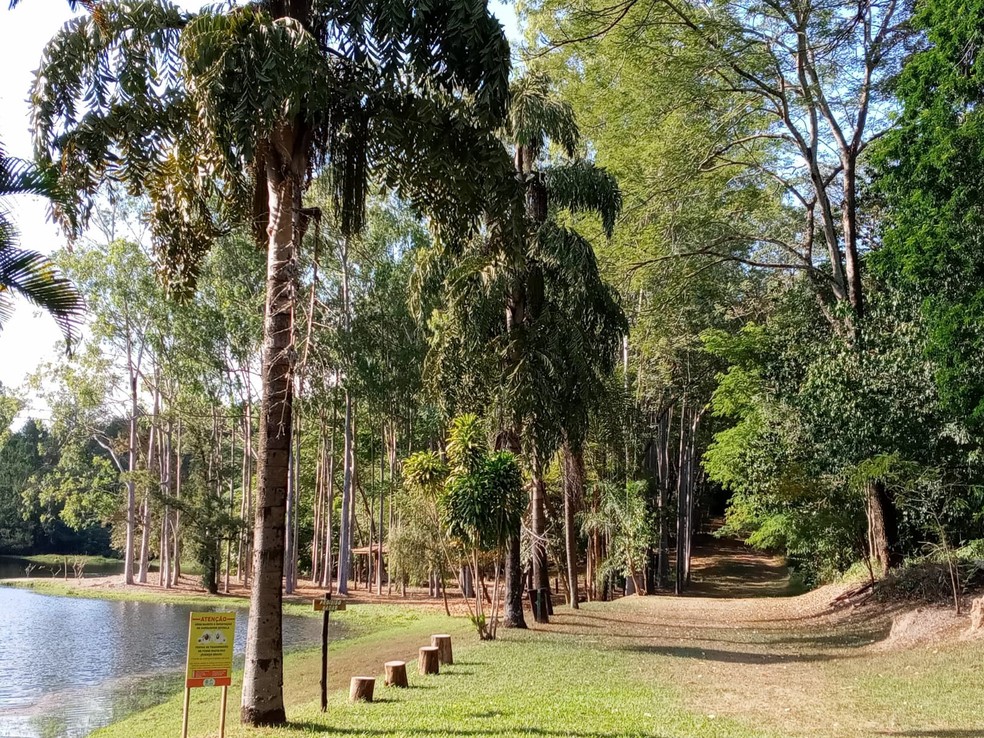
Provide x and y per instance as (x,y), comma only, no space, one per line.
(935,733)
(309,726)
(736,657)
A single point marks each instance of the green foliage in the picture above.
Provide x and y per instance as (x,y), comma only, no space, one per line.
(929,187)
(623,514)
(29,273)
(484,507)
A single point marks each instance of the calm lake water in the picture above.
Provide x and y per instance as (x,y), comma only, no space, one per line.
(69,666)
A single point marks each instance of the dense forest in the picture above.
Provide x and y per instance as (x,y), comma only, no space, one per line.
(366,308)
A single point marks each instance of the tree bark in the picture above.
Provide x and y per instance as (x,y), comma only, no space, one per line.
(262,698)
(573,491)
(541,576)
(345,531)
(882,525)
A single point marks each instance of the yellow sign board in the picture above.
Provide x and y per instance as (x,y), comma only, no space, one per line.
(321,604)
(211,636)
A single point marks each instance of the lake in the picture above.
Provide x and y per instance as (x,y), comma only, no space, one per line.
(69,665)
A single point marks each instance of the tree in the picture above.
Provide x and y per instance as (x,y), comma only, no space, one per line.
(236,106)
(933,200)
(29,273)
(530,266)
(805,81)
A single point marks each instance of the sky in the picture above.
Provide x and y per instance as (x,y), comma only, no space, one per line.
(29,337)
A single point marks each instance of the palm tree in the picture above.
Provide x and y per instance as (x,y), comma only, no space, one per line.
(562,323)
(238,106)
(28,273)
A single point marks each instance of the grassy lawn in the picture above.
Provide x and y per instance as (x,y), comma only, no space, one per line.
(929,691)
(525,684)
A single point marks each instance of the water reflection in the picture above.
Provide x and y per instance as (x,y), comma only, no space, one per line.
(68,666)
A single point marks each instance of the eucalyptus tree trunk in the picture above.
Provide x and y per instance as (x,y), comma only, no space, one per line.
(290,513)
(131,491)
(512,616)
(176,533)
(541,575)
(145,532)
(382,474)
(345,531)
(682,501)
(663,461)
(329,467)
(262,698)
(573,491)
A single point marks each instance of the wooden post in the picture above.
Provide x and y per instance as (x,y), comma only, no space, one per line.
(222,712)
(361,689)
(396,674)
(428,662)
(184,714)
(324,653)
(443,644)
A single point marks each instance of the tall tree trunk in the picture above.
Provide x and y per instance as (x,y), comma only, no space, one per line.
(573,491)
(345,531)
(541,575)
(681,528)
(663,573)
(379,535)
(176,534)
(131,491)
(882,525)
(145,516)
(330,483)
(263,699)
(513,603)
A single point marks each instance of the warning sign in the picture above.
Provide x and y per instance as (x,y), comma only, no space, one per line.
(210,640)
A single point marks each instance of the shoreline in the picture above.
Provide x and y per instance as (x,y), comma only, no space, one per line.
(189,592)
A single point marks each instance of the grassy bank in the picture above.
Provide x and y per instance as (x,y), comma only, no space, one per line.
(524,684)
(71,588)
(59,560)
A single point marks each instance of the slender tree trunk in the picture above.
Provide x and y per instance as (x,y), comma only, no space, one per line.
(663,573)
(681,531)
(573,491)
(382,473)
(327,568)
(345,532)
(145,516)
(541,575)
(262,699)
(513,602)
(131,491)
(176,534)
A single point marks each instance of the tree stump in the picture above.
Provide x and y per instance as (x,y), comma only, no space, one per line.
(443,644)
(427,661)
(396,674)
(361,689)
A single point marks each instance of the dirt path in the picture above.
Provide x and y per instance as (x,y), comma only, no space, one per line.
(735,646)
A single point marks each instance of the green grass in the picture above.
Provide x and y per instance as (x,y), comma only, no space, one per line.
(525,684)
(929,689)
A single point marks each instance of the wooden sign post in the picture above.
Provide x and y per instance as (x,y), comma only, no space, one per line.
(325,605)
(211,636)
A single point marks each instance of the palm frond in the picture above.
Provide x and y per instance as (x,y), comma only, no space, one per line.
(36,278)
(583,187)
(536,115)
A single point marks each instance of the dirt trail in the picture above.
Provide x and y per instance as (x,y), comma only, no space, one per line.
(737,646)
